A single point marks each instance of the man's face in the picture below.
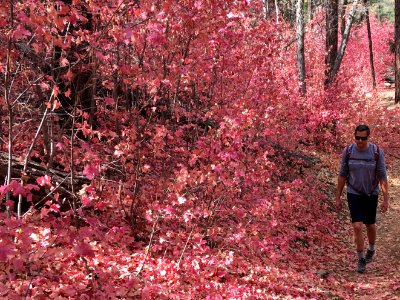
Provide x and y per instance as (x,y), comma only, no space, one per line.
(361,138)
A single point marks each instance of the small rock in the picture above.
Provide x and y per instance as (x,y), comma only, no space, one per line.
(323,273)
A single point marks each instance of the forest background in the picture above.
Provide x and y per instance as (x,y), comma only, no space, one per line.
(164,150)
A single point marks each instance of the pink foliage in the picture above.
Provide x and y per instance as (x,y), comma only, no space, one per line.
(203,159)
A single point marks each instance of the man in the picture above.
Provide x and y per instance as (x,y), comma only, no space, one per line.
(363,169)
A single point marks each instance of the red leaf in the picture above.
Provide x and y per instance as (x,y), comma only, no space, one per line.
(86,200)
(5,251)
(84,249)
(68,93)
(90,171)
(109,100)
(100,206)
(43,180)
(21,32)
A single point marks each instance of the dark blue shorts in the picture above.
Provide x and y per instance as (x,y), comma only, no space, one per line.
(363,208)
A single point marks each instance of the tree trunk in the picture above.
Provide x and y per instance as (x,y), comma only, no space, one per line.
(343,16)
(266,8)
(397,51)
(7,96)
(331,42)
(371,54)
(301,70)
(310,9)
(343,44)
(277,11)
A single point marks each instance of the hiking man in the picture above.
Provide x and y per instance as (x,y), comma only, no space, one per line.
(363,169)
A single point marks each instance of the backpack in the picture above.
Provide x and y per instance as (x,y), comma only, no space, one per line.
(349,149)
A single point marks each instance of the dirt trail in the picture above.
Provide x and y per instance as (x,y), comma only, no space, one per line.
(382,278)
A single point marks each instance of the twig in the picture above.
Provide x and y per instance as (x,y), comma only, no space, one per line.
(28,154)
(184,248)
(148,247)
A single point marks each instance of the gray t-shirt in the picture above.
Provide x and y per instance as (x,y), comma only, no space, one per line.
(363,173)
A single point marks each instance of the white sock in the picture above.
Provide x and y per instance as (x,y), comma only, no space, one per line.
(371,247)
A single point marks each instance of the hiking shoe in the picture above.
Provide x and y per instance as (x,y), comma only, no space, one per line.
(361,265)
(369,255)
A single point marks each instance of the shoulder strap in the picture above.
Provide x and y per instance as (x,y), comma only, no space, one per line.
(376,152)
(348,151)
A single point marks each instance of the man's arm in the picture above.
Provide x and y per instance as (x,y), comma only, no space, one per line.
(339,190)
(385,192)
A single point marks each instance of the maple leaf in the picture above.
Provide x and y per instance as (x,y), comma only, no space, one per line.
(44,180)
(56,105)
(86,129)
(5,252)
(84,249)
(54,207)
(10,204)
(67,93)
(69,75)
(109,100)
(90,171)
(45,86)
(20,32)
(4,189)
(86,200)
(64,61)
(17,188)
(181,200)
(100,206)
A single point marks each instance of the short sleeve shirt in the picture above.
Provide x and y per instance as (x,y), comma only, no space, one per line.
(362,171)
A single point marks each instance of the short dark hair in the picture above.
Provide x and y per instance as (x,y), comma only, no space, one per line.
(363,127)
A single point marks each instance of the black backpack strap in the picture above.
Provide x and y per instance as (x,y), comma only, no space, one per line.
(349,148)
(376,152)
(348,151)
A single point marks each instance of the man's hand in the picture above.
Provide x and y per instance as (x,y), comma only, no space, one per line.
(385,194)
(384,206)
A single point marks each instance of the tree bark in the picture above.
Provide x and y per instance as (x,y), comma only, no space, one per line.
(343,16)
(277,11)
(371,54)
(310,10)
(7,96)
(266,8)
(301,70)
(35,169)
(397,51)
(339,57)
(331,41)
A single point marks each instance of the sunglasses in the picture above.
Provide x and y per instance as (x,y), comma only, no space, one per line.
(362,138)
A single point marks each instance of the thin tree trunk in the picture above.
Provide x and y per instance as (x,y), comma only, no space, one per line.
(93,94)
(277,11)
(343,16)
(301,70)
(371,54)
(292,11)
(397,51)
(310,10)
(343,44)
(331,41)
(266,8)
(7,96)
